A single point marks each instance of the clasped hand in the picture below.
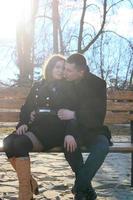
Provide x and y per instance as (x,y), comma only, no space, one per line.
(66,114)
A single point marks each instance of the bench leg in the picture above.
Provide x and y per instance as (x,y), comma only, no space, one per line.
(131,169)
(131,125)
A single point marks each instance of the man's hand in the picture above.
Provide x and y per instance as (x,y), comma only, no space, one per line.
(22,129)
(70,143)
(65,114)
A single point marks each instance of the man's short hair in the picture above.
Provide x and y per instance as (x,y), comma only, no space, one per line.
(79,60)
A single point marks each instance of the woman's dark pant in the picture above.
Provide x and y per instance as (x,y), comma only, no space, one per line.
(17,145)
(86,171)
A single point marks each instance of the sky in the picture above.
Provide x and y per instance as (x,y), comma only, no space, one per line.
(122,21)
(8,18)
(10,10)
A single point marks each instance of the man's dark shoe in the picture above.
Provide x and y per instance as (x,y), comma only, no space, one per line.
(91,194)
(80,196)
(88,194)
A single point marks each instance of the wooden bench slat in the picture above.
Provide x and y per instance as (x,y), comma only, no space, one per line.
(111,118)
(9,116)
(17,103)
(19,92)
(122,147)
(11,103)
(22,92)
(16,92)
(118,117)
(120,95)
(119,106)
(116,148)
(119,147)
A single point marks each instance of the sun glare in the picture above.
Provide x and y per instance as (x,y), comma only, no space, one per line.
(12,12)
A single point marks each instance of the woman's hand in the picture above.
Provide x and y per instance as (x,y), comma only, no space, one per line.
(70,143)
(32,116)
(22,129)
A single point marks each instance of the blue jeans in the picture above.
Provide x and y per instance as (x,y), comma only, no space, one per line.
(85,172)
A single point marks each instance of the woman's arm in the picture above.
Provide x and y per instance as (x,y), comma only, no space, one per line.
(29,105)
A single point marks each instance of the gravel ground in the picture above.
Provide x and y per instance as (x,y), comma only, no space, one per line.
(55,178)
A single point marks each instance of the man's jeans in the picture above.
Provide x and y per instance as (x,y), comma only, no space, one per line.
(84,172)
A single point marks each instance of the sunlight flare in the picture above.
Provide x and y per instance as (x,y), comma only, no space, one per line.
(11,13)
(1,144)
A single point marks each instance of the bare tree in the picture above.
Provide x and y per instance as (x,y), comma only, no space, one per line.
(55,21)
(25,46)
(80,38)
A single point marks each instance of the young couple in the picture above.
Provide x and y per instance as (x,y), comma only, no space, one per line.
(67,108)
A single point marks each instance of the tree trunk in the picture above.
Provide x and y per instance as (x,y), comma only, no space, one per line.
(55,20)
(25,46)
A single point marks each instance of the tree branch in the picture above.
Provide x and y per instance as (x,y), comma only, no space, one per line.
(100,31)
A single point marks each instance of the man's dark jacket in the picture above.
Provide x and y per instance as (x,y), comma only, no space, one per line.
(91,97)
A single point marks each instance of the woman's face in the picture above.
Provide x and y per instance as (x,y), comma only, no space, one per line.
(58,70)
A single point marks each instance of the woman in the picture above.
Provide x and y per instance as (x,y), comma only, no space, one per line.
(44,100)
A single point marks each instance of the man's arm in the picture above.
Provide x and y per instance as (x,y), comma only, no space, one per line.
(92,107)
(71,130)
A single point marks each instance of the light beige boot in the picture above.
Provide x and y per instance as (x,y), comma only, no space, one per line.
(23,173)
(12,161)
(33,182)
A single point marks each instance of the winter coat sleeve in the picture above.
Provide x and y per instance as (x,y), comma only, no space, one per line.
(92,105)
(28,106)
(72,128)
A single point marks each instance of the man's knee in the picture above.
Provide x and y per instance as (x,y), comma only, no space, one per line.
(103,144)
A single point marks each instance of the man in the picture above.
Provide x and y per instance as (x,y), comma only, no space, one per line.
(91,100)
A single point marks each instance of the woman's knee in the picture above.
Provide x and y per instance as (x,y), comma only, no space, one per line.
(22,146)
(8,142)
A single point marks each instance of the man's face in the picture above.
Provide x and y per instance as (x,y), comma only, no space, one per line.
(71,73)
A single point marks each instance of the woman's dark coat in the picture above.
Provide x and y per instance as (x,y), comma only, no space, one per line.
(47,127)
